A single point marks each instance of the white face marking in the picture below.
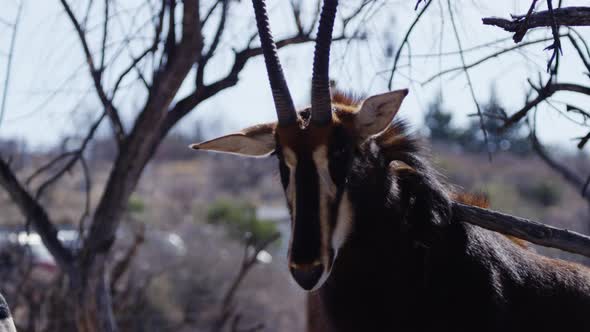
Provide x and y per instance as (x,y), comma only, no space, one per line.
(290,157)
(291,161)
(327,193)
(320,157)
(343,223)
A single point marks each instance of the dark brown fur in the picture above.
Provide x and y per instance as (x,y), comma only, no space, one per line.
(408,266)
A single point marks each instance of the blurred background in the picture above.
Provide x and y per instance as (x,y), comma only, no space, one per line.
(108,220)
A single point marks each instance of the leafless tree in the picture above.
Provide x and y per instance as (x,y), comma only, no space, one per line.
(184,39)
(13,26)
(178,49)
(563,23)
(554,19)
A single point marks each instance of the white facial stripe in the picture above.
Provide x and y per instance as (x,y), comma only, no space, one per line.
(291,189)
(320,157)
(290,157)
(343,223)
(327,190)
(291,161)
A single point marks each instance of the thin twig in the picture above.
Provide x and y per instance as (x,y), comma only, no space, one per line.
(34,212)
(9,62)
(544,93)
(88,200)
(404,42)
(105,31)
(95,73)
(484,59)
(568,175)
(75,156)
(214,44)
(469,83)
(556,46)
(48,166)
(521,31)
(249,259)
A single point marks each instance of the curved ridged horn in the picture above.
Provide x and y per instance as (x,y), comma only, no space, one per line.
(321,103)
(280,91)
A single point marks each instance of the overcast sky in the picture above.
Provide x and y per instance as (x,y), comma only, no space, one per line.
(51,96)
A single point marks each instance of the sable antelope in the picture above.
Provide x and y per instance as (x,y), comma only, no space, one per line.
(373,235)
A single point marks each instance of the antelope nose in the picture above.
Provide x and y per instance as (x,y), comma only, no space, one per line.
(307,275)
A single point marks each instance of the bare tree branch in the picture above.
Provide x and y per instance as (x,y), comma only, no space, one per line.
(88,200)
(9,62)
(214,43)
(188,103)
(170,43)
(469,83)
(522,30)
(34,212)
(249,259)
(75,156)
(486,58)
(132,66)
(145,136)
(123,264)
(405,41)
(48,166)
(568,175)
(544,93)
(581,54)
(105,31)
(522,228)
(96,75)
(567,16)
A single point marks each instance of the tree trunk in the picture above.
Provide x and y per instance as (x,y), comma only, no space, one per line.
(93,303)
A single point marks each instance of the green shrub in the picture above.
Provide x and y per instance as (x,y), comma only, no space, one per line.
(543,193)
(240,220)
(135,205)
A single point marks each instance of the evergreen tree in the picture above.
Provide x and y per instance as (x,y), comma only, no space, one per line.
(439,122)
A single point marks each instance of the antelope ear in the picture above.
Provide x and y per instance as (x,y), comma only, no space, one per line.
(255,141)
(377,112)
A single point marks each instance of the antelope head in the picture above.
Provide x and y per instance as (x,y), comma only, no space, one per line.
(314,148)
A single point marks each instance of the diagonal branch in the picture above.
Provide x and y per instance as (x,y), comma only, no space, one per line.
(547,91)
(105,32)
(214,44)
(36,214)
(9,61)
(185,105)
(522,228)
(469,82)
(405,41)
(486,58)
(522,30)
(132,66)
(568,175)
(567,16)
(75,156)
